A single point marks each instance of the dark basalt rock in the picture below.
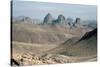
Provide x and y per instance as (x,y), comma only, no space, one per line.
(89,34)
(60,19)
(48,19)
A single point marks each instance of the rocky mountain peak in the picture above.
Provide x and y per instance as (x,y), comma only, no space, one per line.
(48,18)
(77,20)
(61,19)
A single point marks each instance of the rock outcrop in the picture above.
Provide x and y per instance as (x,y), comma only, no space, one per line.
(76,22)
(60,19)
(48,19)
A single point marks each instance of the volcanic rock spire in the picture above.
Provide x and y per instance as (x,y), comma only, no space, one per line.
(47,19)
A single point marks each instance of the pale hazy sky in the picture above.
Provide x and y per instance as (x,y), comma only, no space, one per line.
(39,9)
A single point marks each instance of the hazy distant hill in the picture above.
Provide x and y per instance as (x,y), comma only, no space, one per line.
(24,19)
(90,23)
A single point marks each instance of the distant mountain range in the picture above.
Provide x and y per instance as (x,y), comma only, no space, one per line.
(90,23)
(48,19)
(26,20)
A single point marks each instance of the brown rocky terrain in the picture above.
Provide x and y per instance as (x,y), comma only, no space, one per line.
(52,42)
(29,33)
